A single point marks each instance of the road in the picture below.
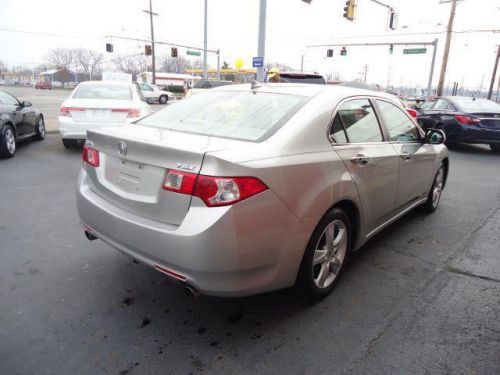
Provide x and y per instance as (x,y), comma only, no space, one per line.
(421,297)
(47,101)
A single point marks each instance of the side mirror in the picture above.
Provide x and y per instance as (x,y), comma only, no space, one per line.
(435,136)
(26,103)
(150,100)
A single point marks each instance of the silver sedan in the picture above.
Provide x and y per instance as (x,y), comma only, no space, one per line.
(250,188)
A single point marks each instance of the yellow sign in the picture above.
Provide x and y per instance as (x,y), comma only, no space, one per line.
(239,63)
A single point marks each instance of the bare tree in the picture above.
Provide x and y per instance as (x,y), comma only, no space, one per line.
(61,58)
(131,64)
(3,67)
(179,64)
(89,60)
(282,67)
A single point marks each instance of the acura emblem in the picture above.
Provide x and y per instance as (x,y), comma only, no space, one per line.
(122,148)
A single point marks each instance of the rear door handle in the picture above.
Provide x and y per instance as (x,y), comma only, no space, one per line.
(359,159)
(405,156)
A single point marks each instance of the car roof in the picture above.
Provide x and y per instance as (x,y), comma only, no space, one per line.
(304,89)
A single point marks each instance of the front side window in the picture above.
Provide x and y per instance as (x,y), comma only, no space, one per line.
(360,121)
(398,124)
(237,115)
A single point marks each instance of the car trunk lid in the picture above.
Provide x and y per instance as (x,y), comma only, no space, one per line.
(101,111)
(133,162)
(488,120)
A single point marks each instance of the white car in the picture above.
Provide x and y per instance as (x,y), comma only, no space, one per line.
(153,92)
(95,104)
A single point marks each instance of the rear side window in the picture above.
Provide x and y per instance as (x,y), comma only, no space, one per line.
(337,132)
(440,104)
(398,124)
(360,121)
(103,91)
(236,115)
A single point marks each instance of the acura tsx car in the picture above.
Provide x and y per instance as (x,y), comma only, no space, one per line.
(251,188)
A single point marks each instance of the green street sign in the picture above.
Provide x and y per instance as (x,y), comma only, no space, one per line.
(414,51)
(193,53)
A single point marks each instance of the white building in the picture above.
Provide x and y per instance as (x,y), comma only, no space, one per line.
(168,79)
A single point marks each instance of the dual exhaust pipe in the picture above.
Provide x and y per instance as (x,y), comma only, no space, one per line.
(190,290)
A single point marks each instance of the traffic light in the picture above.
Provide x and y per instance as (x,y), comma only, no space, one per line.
(350,10)
(148,50)
(329,53)
(173,52)
(393,20)
(343,51)
(109,47)
(391,49)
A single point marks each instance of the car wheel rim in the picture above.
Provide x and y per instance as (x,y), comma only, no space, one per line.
(11,141)
(41,127)
(329,254)
(438,188)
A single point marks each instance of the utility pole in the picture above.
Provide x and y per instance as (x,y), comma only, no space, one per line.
(444,64)
(261,49)
(205,32)
(494,75)
(365,69)
(153,63)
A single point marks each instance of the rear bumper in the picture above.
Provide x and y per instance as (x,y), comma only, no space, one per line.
(69,129)
(227,251)
(474,134)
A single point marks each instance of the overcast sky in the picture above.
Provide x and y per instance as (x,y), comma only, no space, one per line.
(291,26)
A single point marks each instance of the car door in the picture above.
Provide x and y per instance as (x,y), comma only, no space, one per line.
(372,162)
(147,91)
(416,158)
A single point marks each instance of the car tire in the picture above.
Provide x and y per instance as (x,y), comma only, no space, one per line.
(322,264)
(7,142)
(40,129)
(495,147)
(434,197)
(70,143)
(163,99)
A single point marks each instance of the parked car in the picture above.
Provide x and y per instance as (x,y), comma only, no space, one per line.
(95,104)
(247,189)
(464,119)
(43,85)
(153,92)
(302,77)
(19,121)
(204,84)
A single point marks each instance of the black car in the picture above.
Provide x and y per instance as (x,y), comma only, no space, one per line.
(464,119)
(18,121)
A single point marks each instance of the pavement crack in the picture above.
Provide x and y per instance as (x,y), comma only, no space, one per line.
(470,274)
(394,249)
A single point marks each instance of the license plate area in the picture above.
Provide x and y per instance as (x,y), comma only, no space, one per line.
(98,114)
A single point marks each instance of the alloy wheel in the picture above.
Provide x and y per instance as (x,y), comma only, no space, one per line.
(10,140)
(330,254)
(437,188)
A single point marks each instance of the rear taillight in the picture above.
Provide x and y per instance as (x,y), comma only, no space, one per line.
(90,156)
(131,112)
(467,120)
(180,182)
(66,111)
(412,112)
(214,191)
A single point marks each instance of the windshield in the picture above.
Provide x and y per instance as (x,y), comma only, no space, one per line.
(203,84)
(96,91)
(476,105)
(236,115)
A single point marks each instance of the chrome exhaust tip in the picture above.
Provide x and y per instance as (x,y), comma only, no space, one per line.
(191,292)
(89,236)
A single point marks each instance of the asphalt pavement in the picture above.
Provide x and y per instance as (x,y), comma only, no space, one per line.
(422,297)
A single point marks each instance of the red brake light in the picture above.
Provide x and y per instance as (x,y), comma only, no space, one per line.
(131,112)
(214,191)
(91,156)
(467,120)
(65,111)
(412,112)
(180,182)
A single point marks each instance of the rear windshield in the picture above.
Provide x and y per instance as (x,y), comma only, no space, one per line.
(303,79)
(476,105)
(115,92)
(235,115)
(209,84)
